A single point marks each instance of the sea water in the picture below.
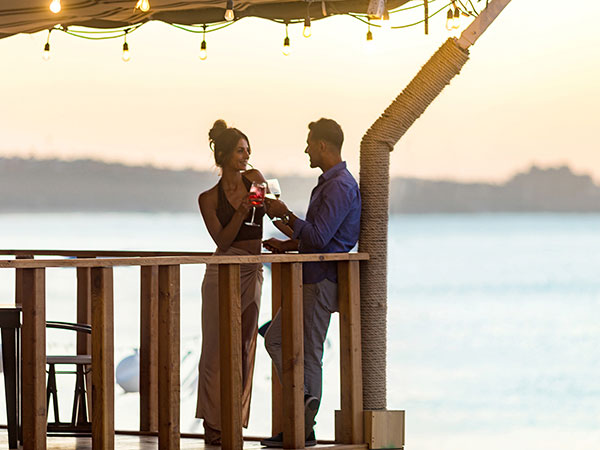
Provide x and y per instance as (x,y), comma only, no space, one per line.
(493,323)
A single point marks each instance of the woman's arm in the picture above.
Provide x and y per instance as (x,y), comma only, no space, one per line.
(223,236)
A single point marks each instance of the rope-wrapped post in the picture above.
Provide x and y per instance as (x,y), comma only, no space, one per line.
(374,185)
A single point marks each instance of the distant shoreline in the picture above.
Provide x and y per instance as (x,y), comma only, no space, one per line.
(85,186)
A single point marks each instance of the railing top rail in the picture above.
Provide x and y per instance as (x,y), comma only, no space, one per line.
(178,260)
(98,253)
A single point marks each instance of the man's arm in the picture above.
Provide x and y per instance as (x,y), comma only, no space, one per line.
(336,202)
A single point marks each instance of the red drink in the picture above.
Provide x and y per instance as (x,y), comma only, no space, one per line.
(257,194)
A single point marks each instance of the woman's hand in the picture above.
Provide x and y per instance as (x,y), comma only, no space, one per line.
(244,207)
(277,246)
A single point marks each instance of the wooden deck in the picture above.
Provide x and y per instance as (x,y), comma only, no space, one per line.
(128,442)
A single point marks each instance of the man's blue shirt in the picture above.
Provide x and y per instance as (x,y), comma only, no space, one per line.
(332,223)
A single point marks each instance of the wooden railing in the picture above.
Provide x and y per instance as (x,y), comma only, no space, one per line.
(160,341)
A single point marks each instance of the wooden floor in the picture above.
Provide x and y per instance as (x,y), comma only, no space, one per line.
(124,442)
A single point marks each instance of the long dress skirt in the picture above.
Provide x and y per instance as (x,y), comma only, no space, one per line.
(209,393)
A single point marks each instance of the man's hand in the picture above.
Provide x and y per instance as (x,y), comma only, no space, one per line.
(278,246)
(276,208)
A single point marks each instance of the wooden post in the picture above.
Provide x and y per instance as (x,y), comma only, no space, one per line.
(19,281)
(103,366)
(32,297)
(84,315)
(168,358)
(276,393)
(149,348)
(230,344)
(350,354)
(292,355)
(426,20)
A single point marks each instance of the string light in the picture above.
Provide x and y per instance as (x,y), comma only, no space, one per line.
(449,20)
(126,56)
(369,33)
(203,55)
(55,6)
(307,31)
(46,54)
(229,16)
(286,42)
(143,5)
(456,22)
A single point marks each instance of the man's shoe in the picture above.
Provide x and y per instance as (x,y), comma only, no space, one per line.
(273,441)
(311,406)
(310,440)
(277,440)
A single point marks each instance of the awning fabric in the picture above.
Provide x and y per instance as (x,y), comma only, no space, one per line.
(30,16)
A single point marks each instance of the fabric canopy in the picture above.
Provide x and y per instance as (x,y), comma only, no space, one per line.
(30,16)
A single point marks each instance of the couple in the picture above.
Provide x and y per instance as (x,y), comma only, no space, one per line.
(331,225)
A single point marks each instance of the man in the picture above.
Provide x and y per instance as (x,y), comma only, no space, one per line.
(331,226)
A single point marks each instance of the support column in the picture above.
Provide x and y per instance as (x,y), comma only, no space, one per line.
(149,348)
(276,392)
(292,336)
(169,397)
(103,372)
(33,344)
(230,347)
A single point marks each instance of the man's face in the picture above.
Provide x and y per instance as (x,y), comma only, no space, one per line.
(314,149)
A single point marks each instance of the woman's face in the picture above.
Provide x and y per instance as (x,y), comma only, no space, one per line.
(239,157)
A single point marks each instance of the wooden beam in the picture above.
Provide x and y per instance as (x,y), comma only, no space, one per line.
(292,355)
(149,348)
(481,23)
(33,347)
(169,396)
(178,260)
(276,392)
(84,315)
(350,353)
(103,366)
(230,345)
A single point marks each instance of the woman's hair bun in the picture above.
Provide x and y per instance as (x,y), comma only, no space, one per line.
(218,127)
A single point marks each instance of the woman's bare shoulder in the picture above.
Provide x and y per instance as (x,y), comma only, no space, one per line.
(208,197)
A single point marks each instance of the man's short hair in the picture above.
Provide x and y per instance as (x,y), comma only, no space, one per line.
(327,130)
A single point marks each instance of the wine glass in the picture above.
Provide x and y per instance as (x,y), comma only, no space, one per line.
(274,189)
(256,196)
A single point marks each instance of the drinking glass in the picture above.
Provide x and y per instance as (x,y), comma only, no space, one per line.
(274,192)
(257,196)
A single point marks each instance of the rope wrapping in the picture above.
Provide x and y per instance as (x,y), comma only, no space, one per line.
(375,149)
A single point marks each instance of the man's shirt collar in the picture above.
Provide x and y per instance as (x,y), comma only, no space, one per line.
(332,172)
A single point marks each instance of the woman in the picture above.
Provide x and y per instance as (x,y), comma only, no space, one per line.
(225,208)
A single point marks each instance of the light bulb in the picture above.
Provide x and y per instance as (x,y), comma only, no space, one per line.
(449,20)
(369,36)
(203,55)
(286,46)
(456,23)
(126,56)
(143,5)
(55,6)
(307,31)
(46,54)
(229,16)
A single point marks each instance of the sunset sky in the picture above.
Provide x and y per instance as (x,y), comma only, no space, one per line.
(529,94)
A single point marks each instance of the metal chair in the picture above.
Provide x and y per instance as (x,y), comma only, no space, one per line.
(80,423)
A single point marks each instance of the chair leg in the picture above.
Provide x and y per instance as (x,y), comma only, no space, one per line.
(79,415)
(51,391)
(9,359)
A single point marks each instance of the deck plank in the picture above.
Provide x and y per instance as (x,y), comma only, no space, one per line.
(127,442)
